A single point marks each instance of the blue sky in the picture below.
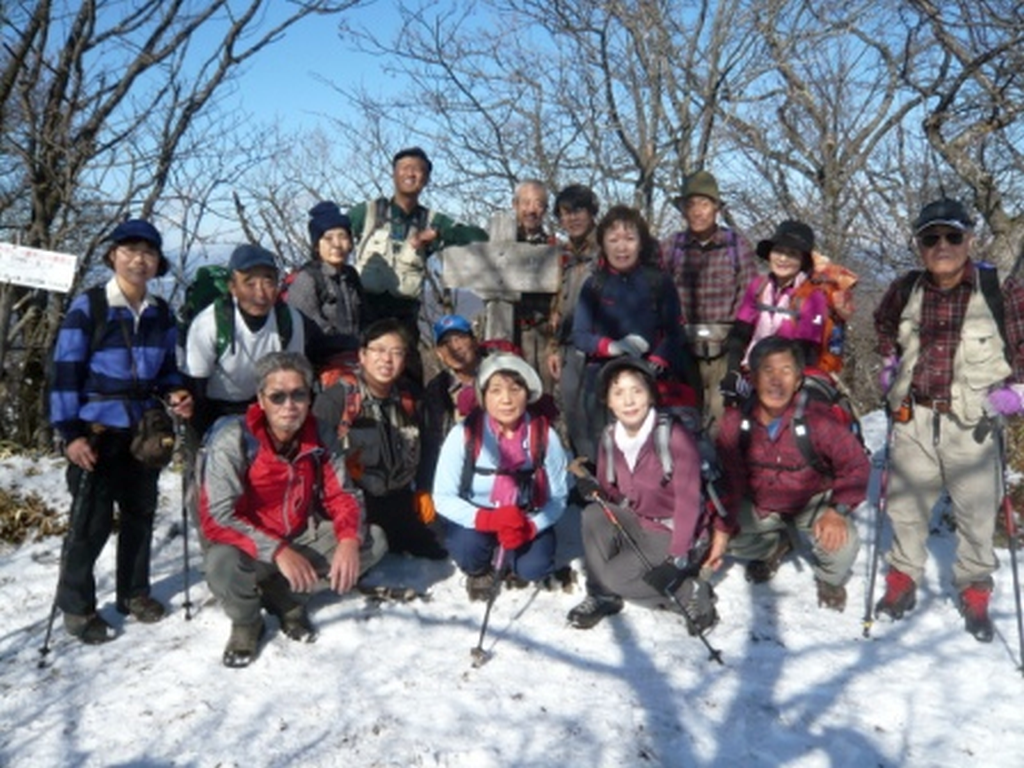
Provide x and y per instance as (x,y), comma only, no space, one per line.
(286,81)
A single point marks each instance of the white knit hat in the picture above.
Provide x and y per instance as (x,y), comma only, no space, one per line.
(504,361)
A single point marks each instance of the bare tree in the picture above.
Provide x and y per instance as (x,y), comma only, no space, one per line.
(619,95)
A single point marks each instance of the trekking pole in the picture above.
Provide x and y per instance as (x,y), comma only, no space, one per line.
(480,656)
(880,506)
(1011,532)
(715,654)
(181,428)
(81,493)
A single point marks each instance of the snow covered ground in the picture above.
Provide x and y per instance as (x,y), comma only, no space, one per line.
(392,685)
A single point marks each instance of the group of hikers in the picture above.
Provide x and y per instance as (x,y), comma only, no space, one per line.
(667,389)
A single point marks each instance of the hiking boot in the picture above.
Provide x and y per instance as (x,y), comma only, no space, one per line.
(760,571)
(479,587)
(143,608)
(698,597)
(423,544)
(296,625)
(974,607)
(832,596)
(243,644)
(594,608)
(515,581)
(900,595)
(90,628)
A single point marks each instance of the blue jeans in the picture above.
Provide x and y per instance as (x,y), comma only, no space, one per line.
(473,551)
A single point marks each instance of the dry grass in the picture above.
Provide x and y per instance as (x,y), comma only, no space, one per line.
(22,517)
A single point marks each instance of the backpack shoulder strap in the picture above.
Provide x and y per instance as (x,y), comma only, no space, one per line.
(988,277)
(802,433)
(607,445)
(224,323)
(283,317)
(97,296)
(732,245)
(662,445)
(472,431)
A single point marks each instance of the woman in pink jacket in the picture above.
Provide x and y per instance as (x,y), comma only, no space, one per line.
(785,303)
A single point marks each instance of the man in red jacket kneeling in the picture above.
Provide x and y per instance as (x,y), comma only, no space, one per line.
(275,504)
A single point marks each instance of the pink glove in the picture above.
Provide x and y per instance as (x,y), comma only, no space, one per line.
(887,375)
(1007,401)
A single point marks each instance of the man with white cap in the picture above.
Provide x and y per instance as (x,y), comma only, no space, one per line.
(501,480)
(953,346)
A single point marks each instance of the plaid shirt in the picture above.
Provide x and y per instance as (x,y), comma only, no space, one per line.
(710,277)
(942,317)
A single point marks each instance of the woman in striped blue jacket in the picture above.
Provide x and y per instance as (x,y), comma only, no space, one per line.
(113,360)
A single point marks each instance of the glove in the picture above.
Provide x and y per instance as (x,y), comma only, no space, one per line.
(665,578)
(886,376)
(633,345)
(512,539)
(499,518)
(734,387)
(423,503)
(1008,400)
(588,487)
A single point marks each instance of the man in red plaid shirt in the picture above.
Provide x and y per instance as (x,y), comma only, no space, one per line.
(711,267)
(774,491)
(948,374)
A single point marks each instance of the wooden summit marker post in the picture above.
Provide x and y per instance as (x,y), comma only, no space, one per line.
(500,271)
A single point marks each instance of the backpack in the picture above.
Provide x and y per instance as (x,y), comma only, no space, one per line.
(348,378)
(210,286)
(819,387)
(532,482)
(319,282)
(387,266)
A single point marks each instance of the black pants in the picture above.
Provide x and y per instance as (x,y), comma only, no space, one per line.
(118,478)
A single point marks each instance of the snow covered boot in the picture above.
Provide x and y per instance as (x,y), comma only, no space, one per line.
(479,587)
(900,595)
(243,643)
(974,607)
(831,596)
(279,600)
(143,608)
(594,608)
(760,571)
(699,598)
(90,628)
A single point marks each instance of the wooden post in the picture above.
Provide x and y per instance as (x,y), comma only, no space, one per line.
(500,271)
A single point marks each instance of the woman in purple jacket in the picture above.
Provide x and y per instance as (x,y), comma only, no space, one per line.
(648,489)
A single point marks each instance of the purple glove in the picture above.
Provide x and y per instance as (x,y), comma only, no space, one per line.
(886,376)
(1007,401)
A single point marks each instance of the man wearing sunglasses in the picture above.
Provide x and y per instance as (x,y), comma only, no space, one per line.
(279,512)
(951,341)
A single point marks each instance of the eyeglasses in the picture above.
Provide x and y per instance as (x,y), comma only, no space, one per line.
(140,249)
(396,352)
(932,239)
(297,396)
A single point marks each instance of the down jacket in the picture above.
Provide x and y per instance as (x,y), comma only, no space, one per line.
(256,500)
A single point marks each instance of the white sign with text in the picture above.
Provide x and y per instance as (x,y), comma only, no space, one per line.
(48,270)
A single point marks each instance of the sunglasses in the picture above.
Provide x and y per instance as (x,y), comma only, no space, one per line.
(297,396)
(931,240)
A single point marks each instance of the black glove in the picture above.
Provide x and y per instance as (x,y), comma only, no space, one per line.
(734,388)
(665,578)
(588,487)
